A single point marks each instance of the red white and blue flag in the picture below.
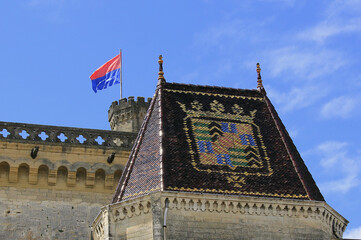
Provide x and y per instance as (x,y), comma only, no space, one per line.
(108,74)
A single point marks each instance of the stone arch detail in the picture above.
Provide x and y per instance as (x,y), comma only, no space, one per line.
(43,174)
(23,173)
(77,165)
(81,173)
(62,175)
(47,174)
(117,175)
(4,171)
(100,178)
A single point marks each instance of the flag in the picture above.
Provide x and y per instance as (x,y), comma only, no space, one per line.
(108,74)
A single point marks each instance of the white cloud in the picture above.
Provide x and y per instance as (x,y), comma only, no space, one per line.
(298,97)
(337,161)
(287,2)
(189,77)
(342,185)
(339,107)
(293,133)
(223,35)
(353,233)
(52,10)
(343,7)
(303,64)
(233,33)
(333,151)
(341,16)
(217,35)
(326,29)
(44,2)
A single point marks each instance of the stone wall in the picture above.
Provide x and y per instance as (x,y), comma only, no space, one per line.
(45,214)
(222,225)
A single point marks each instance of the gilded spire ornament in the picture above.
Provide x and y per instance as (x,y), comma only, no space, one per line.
(160,73)
(259,78)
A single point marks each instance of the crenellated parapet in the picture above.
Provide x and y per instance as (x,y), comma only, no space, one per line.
(127,114)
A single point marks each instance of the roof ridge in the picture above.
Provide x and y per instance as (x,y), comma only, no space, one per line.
(209,86)
(161,135)
(128,167)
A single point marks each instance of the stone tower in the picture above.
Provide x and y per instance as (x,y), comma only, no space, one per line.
(127,115)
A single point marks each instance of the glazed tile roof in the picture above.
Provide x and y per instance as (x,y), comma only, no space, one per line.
(215,140)
(142,174)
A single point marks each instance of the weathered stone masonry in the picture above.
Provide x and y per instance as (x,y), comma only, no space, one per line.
(56,192)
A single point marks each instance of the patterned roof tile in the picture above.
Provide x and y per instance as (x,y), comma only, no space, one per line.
(216,140)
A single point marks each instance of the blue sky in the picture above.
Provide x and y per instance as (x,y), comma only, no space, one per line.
(309,53)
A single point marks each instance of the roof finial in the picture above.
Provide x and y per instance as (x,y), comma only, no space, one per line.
(259,78)
(161,73)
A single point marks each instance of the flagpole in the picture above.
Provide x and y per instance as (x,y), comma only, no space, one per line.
(120,62)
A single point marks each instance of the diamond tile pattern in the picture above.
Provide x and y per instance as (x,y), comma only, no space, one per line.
(145,175)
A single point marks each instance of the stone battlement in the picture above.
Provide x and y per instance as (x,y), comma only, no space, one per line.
(127,114)
(130,100)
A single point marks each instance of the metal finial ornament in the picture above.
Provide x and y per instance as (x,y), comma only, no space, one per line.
(259,78)
(161,73)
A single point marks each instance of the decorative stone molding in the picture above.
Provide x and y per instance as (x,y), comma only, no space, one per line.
(21,132)
(321,211)
(130,209)
(315,211)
